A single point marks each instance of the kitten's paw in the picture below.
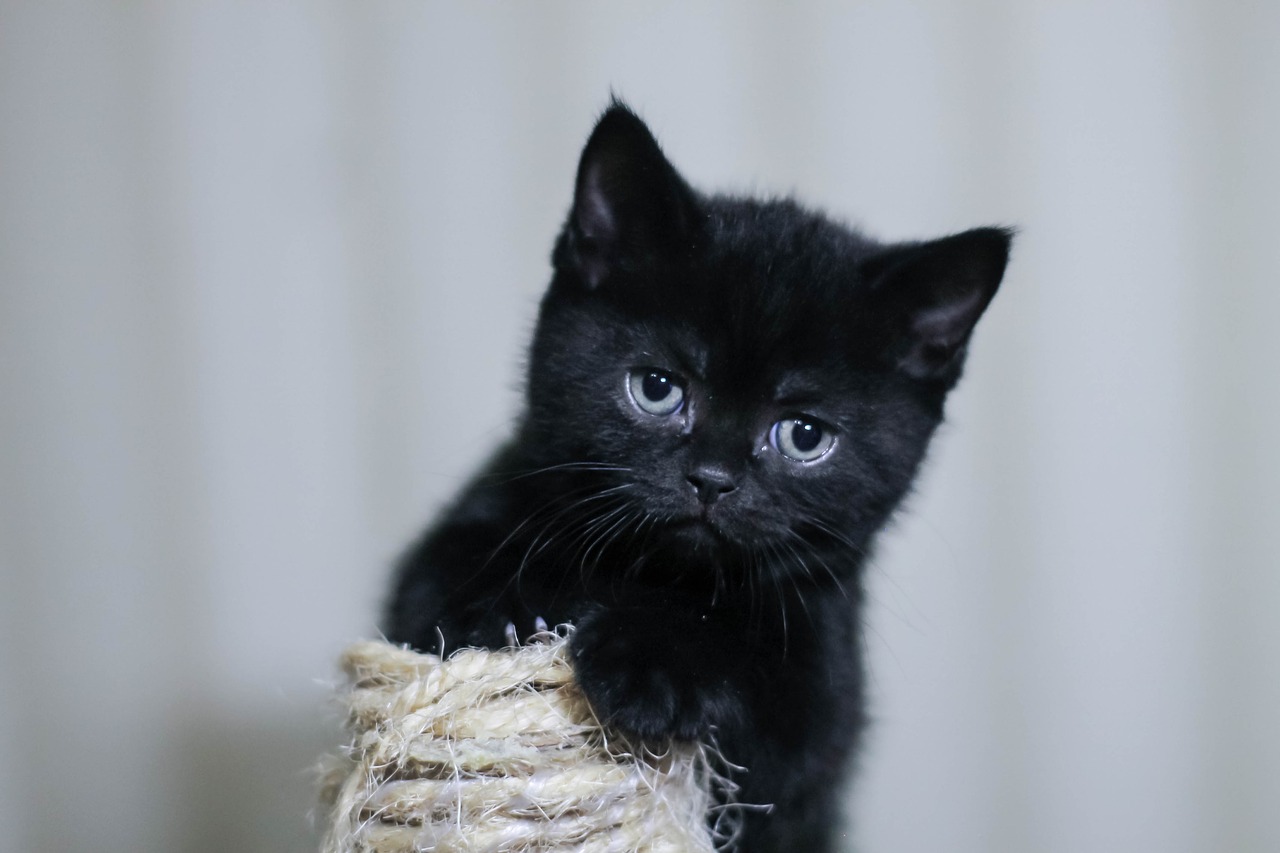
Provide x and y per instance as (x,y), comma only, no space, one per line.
(488,625)
(645,685)
(541,633)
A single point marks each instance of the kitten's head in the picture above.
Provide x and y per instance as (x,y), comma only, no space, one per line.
(767,377)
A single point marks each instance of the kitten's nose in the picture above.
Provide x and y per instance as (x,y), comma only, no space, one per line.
(711,482)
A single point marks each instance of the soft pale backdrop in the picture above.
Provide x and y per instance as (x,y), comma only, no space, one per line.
(267,269)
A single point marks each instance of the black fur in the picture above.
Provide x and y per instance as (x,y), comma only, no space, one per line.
(713,581)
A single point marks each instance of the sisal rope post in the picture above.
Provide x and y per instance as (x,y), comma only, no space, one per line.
(497,751)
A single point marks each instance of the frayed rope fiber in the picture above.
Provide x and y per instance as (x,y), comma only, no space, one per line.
(491,751)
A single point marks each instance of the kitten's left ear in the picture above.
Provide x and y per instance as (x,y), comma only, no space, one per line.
(934,293)
(629,203)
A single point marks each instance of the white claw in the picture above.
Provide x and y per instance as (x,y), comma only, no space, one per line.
(540,624)
(512,638)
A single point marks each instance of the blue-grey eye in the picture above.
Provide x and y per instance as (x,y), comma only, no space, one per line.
(655,391)
(802,438)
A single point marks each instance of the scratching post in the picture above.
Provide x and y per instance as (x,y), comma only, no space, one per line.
(499,751)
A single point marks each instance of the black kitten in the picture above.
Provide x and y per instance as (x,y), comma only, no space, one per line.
(726,400)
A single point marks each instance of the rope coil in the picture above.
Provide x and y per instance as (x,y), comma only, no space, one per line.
(497,751)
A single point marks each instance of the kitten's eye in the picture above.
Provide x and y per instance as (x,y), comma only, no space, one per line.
(802,439)
(655,392)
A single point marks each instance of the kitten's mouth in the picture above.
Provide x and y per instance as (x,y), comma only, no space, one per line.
(699,530)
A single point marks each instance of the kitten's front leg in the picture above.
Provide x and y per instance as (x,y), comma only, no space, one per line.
(660,672)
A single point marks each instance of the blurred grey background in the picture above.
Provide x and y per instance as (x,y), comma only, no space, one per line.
(266,275)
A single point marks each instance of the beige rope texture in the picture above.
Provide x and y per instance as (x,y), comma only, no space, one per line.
(498,751)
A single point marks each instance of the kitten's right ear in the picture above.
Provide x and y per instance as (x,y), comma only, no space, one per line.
(629,203)
(931,295)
